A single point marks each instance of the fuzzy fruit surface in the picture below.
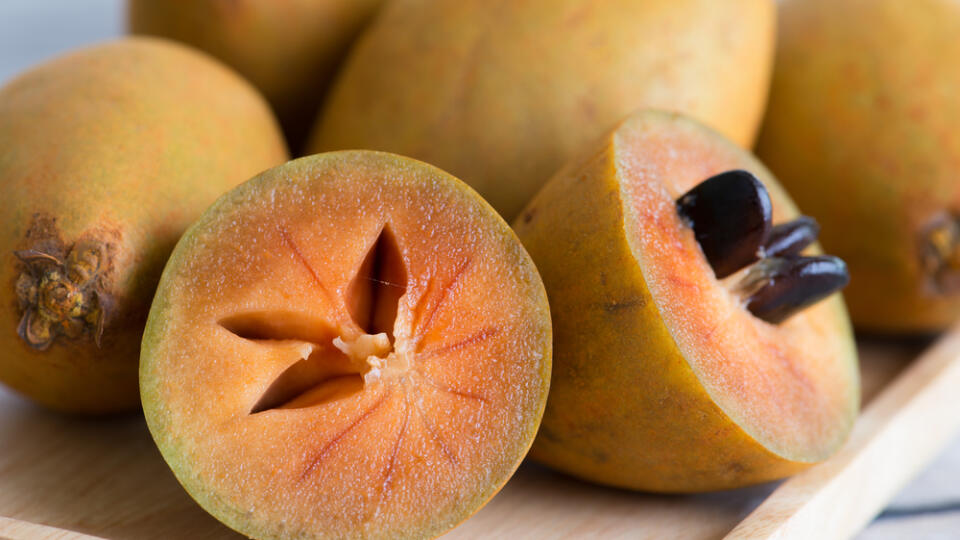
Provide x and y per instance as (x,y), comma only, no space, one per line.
(108,154)
(350,345)
(862,129)
(288,49)
(502,93)
(663,380)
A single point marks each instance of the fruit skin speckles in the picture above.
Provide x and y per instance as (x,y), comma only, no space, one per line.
(478,99)
(884,187)
(95,194)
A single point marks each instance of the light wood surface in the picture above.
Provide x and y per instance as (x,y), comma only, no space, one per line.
(105,478)
(13,528)
(905,427)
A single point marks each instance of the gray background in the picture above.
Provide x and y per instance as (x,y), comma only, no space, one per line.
(34,30)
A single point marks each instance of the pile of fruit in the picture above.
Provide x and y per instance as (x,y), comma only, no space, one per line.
(356,343)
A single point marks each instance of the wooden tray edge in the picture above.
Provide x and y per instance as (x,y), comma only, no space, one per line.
(15,529)
(837,498)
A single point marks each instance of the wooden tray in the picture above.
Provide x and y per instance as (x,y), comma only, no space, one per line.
(69,478)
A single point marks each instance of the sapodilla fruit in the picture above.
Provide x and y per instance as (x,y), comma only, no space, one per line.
(667,377)
(502,93)
(108,154)
(289,49)
(862,129)
(350,345)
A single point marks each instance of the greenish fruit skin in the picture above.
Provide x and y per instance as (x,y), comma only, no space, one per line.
(289,49)
(503,93)
(121,145)
(662,380)
(862,129)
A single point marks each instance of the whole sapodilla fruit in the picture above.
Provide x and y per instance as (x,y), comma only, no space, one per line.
(862,129)
(351,345)
(502,93)
(289,49)
(680,364)
(108,154)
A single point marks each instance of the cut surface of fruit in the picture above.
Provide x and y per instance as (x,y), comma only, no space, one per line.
(783,384)
(663,379)
(350,345)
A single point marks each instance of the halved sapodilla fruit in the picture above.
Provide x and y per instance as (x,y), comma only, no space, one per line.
(351,344)
(690,352)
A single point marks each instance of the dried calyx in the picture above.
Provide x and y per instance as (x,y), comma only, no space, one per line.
(940,253)
(730,215)
(60,297)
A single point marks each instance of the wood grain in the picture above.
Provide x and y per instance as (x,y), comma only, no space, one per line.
(105,478)
(14,528)
(905,427)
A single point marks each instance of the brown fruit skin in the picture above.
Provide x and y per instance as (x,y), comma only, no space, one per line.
(126,143)
(289,49)
(862,129)
(625,408)
(501,94)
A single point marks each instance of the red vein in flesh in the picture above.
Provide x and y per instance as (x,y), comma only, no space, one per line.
(388,474)
(447,389)
(418,308)
(480,336)
(330,444)
(298,254)
(432,431)
(444,294)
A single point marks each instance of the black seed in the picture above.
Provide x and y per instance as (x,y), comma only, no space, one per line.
(778,287)
(730,217)
(792,237)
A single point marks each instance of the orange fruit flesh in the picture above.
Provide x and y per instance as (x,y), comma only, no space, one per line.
(352,344)
(785,385)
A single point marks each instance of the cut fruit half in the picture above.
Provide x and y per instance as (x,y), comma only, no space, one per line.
(352,344)
(663,378)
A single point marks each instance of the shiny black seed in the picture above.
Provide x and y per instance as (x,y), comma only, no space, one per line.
(792,237)
(730,216)
(778,287)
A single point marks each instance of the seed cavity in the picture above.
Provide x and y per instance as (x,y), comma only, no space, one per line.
(324,376)
(279,325)
(374,294)
(730,214)
(337,360)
